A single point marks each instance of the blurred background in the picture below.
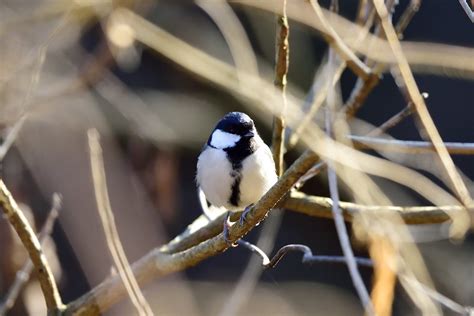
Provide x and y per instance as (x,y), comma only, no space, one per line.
(65,65)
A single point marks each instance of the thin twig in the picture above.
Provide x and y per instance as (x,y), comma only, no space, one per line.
(11,137)
(23,275)
(27,236)
(467,9)
(459,226)
(444,300)
(234,34)
(391,122)
(362,88)
(319,206)
(407,16)
(409,146)
(309,258)
(108,222)
(333,39)
(337,214)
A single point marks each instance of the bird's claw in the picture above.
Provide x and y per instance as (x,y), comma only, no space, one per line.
(226,232)
(243,217)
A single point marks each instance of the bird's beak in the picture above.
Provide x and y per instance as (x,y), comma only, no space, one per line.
(249,134)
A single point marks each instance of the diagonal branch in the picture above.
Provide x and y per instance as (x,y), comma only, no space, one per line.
(23,275)
(156,263)
(108,222)
(459,226)
(467,9)
(27,236)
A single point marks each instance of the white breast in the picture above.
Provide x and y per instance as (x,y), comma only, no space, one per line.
(258,176)
(213,175)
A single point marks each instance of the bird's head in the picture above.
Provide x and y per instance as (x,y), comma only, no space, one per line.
(232,128)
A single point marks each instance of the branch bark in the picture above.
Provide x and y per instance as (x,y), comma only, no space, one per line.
(157,263)
(32,245)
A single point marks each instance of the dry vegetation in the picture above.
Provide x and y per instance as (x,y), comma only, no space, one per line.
(47,99)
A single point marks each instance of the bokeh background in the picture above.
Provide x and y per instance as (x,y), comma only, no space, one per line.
(58,65)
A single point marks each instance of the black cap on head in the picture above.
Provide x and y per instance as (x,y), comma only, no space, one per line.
(236,123)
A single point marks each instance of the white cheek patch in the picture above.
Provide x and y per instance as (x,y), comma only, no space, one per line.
(221,139)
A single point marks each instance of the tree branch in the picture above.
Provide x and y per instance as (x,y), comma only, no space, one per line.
(318,206)
(27,236)
(23,275)
(157,263)
(409,146)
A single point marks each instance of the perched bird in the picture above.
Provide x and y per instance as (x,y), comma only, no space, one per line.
(235,168)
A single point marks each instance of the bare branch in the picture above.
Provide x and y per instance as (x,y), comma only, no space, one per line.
(108,222)
(337,213)
(459,226)
(23,275)
(318,206)
(27,236)
(409,146)
(156,263)
(467,9)
(281,70)
(309,258)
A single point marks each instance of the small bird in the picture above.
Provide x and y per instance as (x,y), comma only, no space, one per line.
(235,168)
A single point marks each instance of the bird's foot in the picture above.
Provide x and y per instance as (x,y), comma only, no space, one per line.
(243,217)
(226,231)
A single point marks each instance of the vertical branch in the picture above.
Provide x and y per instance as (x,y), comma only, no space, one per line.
(336,210)
(108,221)
(23,275)
(266,240)
(383,255)
(281,71)
(19,222)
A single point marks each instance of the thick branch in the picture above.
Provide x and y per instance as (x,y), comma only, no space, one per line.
(27,236)
(157,263)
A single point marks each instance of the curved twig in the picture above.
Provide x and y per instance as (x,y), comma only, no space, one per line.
(309,258)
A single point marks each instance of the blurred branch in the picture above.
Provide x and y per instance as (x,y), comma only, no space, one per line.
(341,228)
(316,102)
(409,146)
(384,257)
(23,275)
(156,263)
(363,88)
(234,34)
(407,16)
(319,206)
(467,9)
(11,137)
(459,226)
(444,300)
(110,229)
(333,39)
(27,236)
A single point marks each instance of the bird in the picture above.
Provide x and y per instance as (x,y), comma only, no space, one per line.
(235,167)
